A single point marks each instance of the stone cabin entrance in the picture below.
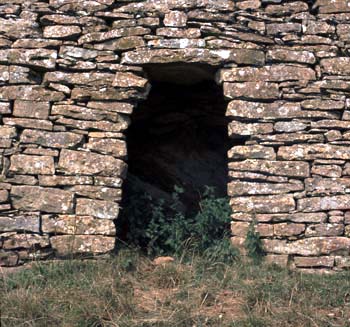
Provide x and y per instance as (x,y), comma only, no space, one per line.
(73,75)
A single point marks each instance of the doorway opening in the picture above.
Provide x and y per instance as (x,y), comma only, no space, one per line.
(178,141)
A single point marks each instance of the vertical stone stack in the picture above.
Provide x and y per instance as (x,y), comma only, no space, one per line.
(71,73)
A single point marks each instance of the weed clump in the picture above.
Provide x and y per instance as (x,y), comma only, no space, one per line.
(161,229)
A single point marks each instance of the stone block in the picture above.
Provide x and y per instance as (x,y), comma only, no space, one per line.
(279,168)
(175,19)
(97,192)
(252,90)
(314,246)
(115,147)
(51,139)
(313,151)
(288,229)
(273,73)
(263,204)
(337,202)
(31,109)
(35,198)
(77,225)
(239,129)
(313,262)
(275,110)
(97,208)
(34,165)
(324,230)
(241,152)
(63,32)
(236,188)
(11,241)
(88,163)
(66,245)
(20,223)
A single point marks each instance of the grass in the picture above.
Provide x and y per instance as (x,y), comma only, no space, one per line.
(129,291)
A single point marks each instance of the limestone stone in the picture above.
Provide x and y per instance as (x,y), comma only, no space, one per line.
(335,6)
(275,110)
(252,152)
(121,44)
(32,198)
(324,230)
(31,109)
(77,225)
(114,147)
(55,19)
(9,258)
(93,78)
(46,180)
(24,28)
(342,262)
(85,244)
(107,93)
(313,151)
(16,241)
(189,33)
(333,171)
(273,73)
(88,163)
(102,125)
(97,208)
(51,139)
(252,90)
(175,19)
(4,194)
(212,57)
(20,223)
(323,104)
(280,168)
(283,28)
(7,132)
(5,108)
(108,181)
(287,55)
(33,165)
(115,106)
(237,128)
(289,138)
(29,93)
(338,66)
(29,123)
(129,80)
(288,229)
(236,188)
(299,217)
(313,246)
(263,204)
(84,113)
(241,229)
(338,202)
(36,43)
(113,34)
(97,192)
(37,58)
(63,32)
(305,262)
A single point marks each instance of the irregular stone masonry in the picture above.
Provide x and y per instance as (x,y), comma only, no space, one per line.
(71,73)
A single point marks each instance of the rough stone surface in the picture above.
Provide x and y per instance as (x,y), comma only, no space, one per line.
(73,72)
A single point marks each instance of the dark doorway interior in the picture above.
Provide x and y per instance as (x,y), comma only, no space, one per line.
(178,137)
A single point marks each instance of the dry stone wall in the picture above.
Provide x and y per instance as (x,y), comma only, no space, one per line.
(71,73)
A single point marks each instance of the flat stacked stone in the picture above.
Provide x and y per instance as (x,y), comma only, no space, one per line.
(69,82)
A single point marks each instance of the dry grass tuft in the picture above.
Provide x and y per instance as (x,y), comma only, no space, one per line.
(129,291)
